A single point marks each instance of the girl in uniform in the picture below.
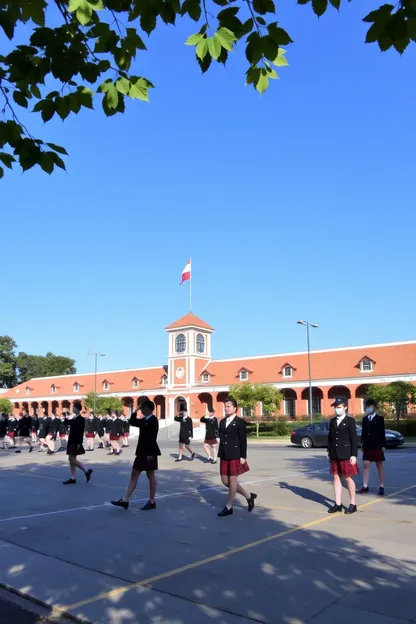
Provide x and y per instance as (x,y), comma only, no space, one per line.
(116,430)
(43,430)
(76,424)
(25,428)
(12,431)
(53,427)
(373,440)
(90,430)
(233,455)
(3,428)
(126,431)
(342,454)
(35,426)
(211,435)
(186,432)
(63,431)
(107,424)
(101,430)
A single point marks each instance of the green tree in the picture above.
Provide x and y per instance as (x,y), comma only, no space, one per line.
(6,406)
(248,396)
(81,48)
(103,404)
(8,372)
(112,404)
(48,365)
(394,397)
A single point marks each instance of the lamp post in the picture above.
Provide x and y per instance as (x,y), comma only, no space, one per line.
(96,355)
(307,325)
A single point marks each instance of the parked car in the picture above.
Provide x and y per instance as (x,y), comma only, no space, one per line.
(317,435)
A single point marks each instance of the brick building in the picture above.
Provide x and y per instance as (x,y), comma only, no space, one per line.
(193,380)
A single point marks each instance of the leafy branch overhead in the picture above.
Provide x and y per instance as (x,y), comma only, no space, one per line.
(79,50)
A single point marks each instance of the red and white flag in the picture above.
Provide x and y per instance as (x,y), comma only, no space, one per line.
(186,273)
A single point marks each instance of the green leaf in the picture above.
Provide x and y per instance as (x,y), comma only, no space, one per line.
(401,44)
(194,39)
(7,159)
(7,25)
(140,89)
(254,49)
(123,85)
(35,91)
(84,12)
(47,162)
(111,97)
(48,110)
(193,8)
(319,7)
(226,38)
(148,22)
(20,98)
(336,4)
(278,34)
(57,148)
(73,5)
(227,13)
(263,82)
(205,63)
(281,60)
(264,6)
(411,28)
(202,49)
(167,13)
(269,47)
(384,42)
(58,161)
(382,12)
(214,46)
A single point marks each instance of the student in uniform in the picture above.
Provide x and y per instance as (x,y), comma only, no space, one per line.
(107,424)
(100,424)
(43,430)
(76,423)
(35,426)
(90,431)
(186,432)
(147,453)
(25,429)
(116,430)
(233,456)
(12,425)
(126,431)
(53,428)
(211,434)
(62,431)
(3,429)
(342,454)
(373,440)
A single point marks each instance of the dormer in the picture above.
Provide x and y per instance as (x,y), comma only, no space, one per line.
(206,375)
(164,380)
(76,387)
(135,382)
(106,385)
(27,390)
(53,388)
(244,374)
(287,370)
(366,364)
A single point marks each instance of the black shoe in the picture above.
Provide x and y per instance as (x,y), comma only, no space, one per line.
(18,451)
(88,475)
(214,461)
(335,509)
(120,503)
(70,482)
(178,460)
(100,446)
(226,512)
(381,490)
(111,453)
(193,456)
(351,509)
(40,450)
(364,490)
(149,505)
(90,449)
(251,500)
(117,453)
(50,452)
(30,449)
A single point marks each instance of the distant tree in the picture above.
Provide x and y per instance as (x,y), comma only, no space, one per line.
(395,397)
(8,366)
(6,406)
(248,396)
(112,404)
(103,404)
(48,365)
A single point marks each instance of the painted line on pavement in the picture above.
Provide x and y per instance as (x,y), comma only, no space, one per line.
(191,566)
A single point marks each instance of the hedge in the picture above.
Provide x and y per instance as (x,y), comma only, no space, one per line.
(285,427)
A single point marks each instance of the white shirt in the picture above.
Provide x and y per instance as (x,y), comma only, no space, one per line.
(229,420)
(371,416)
(340,419)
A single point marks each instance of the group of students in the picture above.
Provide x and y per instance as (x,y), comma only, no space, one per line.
(47,429)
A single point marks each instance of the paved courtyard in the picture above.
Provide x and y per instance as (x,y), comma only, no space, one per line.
(288,561)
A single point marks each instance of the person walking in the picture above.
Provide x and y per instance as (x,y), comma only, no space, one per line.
(4,419)
(186,432)
(12,425)
(147,453)
(90,431)
(373,440)
(233,456)
(342,454)
(75,447)
(25,429)
(211,434)
(116,430)
(101,430)
(43,424)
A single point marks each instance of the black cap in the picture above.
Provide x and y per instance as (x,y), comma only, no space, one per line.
(339,401)
(370,402)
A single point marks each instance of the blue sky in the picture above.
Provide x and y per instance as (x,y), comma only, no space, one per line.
(295,204)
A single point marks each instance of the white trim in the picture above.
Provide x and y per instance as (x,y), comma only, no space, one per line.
(284,372)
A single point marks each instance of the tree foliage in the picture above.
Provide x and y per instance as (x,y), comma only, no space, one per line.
(75,51)
(20,367)
(249,395)
(103,404)
(6,406)
(394,397)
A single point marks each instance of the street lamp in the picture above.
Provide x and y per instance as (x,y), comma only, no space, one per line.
(96,355)
(307,325)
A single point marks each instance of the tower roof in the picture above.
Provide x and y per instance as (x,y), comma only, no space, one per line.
(189,320)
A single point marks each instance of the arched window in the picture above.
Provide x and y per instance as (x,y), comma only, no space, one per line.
(180,343)
(135,382)
(200,343)
(76,387)
(53,388)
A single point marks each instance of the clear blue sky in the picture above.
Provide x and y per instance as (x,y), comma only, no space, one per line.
(295,204)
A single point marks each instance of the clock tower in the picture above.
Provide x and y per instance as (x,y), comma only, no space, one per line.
(189,351)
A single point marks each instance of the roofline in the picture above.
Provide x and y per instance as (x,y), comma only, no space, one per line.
(275,355)
(122,370)
(190,326)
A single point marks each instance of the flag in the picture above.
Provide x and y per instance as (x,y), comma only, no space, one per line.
(186,273)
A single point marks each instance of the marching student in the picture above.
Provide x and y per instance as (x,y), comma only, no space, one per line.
(34,427)
(63,431)
(25,429)
(373,440)
(43,430)
(233,456)
(116,430)
(186,432)
(76,424)
(90,431)
(4,419)
(147,453)
(342,454)
(107,424)
(12,425)
(53,428)
(126,431)
(211,435)
(100,424)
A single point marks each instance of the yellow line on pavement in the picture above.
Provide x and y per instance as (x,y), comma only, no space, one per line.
(196,564)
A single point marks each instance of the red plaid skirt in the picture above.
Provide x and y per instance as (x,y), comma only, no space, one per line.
(212,442)
(115,438)
(10,434)
(343,468)
(90,435)
(233,467)
(126,435)
(373,455)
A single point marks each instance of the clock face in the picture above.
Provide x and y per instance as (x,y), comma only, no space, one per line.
(180,372)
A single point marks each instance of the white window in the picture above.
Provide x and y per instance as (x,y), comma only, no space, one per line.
(165,380)
(135,382)
(200,343)
(27,390)
(287,371)
(290,407)
(76,387)
(366,366)
(243,375)
(105,385)
(53,388)
(205,377)
(246,412)
(180,343)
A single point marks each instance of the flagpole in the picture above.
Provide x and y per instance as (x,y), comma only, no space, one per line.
(190,285)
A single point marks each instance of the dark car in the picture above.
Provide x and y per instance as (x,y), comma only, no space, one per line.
(317,435)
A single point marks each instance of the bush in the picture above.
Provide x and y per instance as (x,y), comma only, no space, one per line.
(285,427)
